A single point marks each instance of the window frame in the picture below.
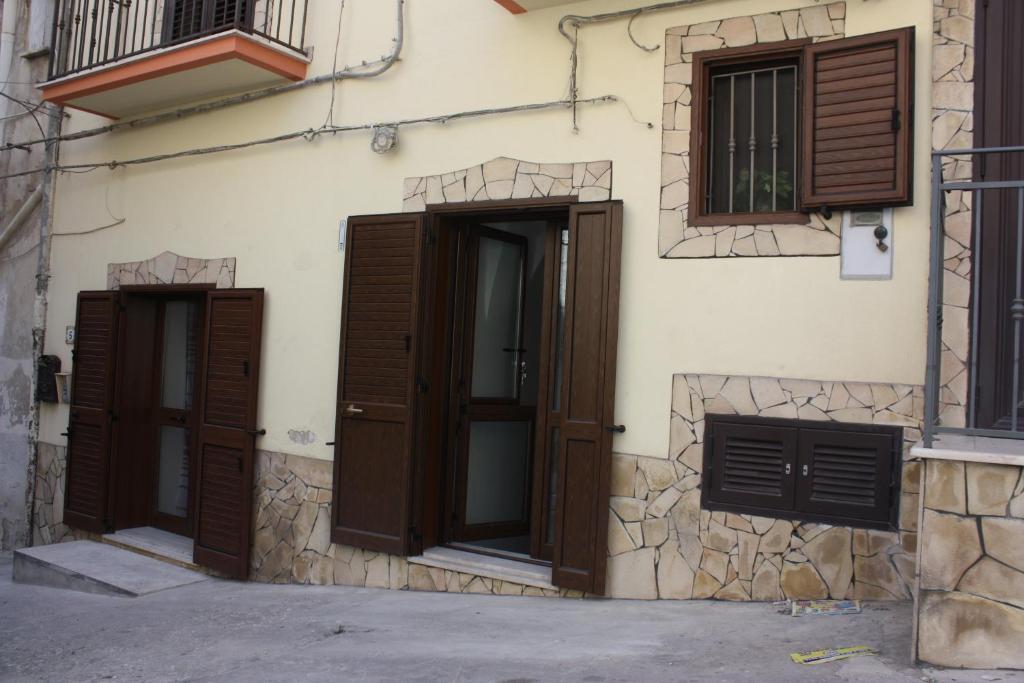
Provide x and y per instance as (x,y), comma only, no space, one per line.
(700,111)
(708,502)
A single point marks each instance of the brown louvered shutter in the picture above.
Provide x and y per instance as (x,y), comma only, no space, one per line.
(751,464)
(227,429)
(858,121)
(847,473)
(376,376)
(587,401)
(91,417)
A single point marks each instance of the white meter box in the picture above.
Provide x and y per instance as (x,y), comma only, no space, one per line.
(866,245)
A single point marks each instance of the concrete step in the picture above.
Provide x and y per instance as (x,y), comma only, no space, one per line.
(99,568)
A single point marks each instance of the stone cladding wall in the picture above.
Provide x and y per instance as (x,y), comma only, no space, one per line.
(677,239)
(971,599)
(663,545)
(953,128)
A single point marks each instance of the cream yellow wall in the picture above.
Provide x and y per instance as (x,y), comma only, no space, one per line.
(276,208)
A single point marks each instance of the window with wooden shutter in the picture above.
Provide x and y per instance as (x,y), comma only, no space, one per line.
(764,151)
(91,413)
(376,382)
(858,121)
(817,471)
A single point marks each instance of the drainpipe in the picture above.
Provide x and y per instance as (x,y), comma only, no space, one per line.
(46,191)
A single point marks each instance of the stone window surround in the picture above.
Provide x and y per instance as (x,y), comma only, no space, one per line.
(507,178)
(168,268)
(820,237)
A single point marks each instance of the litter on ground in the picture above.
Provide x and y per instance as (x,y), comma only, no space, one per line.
(831,655)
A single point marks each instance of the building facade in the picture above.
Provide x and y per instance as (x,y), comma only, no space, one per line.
(528,298)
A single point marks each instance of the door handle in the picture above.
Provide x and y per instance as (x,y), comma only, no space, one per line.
(619,429)
(256,432)
(352,410)
(178,418)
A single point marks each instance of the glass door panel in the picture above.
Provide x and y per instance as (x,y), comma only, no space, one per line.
(172,489)
(498,318)
(497,472)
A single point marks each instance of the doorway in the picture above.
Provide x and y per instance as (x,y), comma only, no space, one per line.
(492,459)
(154,459)
(162,421)
(443,436)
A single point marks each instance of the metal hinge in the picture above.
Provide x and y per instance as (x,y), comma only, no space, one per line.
(422,385)
(431,236)
(414,533)
(896,123)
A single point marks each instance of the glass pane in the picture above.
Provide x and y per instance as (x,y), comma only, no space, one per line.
(721,118)
(496,476)
(549,531)
(785,186)
(179,354)
(563,270)
(499,292)
(172,489)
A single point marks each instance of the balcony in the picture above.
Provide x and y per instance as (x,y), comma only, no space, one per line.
(974,387)
(120,58)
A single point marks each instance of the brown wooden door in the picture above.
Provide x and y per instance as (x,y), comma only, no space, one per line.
(227,429)
(492,429)
(377,368)
(90,426)
(999,122)
(587,399)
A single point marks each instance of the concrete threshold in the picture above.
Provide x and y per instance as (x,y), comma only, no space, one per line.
(487,566)
(155,543)
(99,568)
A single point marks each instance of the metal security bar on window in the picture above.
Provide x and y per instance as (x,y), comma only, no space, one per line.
(91,33)
(753,150)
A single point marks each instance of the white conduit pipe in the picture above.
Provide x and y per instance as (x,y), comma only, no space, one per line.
(10,18)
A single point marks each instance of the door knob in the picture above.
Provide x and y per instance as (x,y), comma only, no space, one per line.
(352,410)
(256,432)
(618,429)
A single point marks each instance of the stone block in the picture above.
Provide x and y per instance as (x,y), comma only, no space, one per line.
(945,486)
(831,553)
(675,577)
(989,488)
(950,544)
(1004,540)
(632,575)
(994,580)
(802,582)
(960,630)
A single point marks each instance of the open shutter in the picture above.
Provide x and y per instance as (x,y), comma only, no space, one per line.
(858,121)
(376,382)
(227,429)
(588,396)
(750,464)
(847,473)
(90,426)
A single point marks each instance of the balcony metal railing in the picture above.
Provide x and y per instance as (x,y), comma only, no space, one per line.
(91,33)
(1010,195)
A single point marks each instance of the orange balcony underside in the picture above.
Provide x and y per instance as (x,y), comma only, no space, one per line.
(231,62)
(521,6)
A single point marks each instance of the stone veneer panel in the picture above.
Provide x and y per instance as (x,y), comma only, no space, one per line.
(953,128)
(676,239)
(505,178)
(48,504)
(664,545)
(292,543)
(971,599)
(170,269)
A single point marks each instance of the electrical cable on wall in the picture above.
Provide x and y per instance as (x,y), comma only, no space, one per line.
(311,134)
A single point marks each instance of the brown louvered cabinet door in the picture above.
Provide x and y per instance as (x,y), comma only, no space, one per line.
(376,382)
(227,429)
(858,121)
(90,431)
(846,473)
(585,429)
(753,465)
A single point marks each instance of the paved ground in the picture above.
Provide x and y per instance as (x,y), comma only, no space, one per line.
(218,630)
